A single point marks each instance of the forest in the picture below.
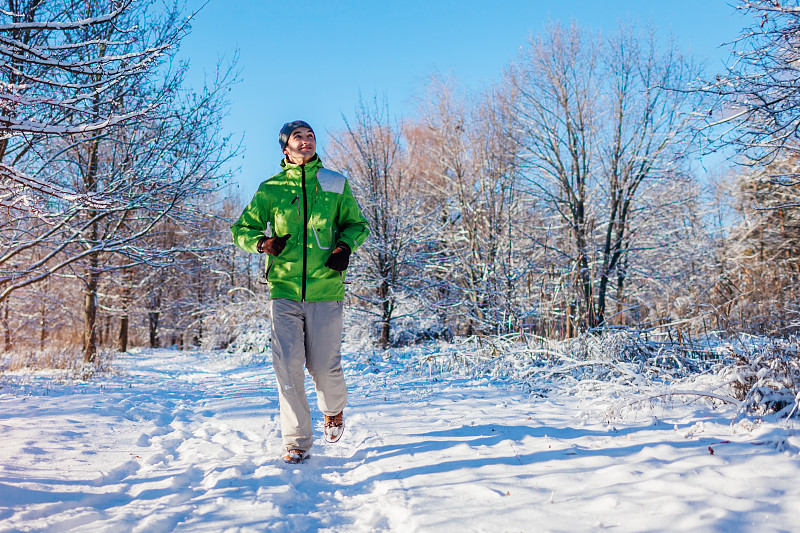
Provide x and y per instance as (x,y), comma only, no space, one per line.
(576,310)
(565,200)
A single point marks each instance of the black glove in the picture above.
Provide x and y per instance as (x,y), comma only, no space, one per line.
(340,258)
(272,245)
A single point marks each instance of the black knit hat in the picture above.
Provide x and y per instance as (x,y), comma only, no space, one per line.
(287,130)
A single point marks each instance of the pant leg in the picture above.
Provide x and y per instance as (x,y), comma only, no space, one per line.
(324,354)
(288,360)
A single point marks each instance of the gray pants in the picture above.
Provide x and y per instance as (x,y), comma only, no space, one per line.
(306,334)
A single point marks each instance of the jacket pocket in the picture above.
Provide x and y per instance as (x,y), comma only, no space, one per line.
(265,277)
(287,217)
(324,238)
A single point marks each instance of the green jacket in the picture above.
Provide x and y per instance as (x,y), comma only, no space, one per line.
(316,207)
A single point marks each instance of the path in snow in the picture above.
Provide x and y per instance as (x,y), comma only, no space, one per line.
(190,442)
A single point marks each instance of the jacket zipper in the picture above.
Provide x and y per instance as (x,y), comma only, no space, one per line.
(305,232)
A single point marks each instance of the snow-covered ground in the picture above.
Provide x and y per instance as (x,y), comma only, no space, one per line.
(180,441)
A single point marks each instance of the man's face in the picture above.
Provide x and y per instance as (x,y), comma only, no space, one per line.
(301,146)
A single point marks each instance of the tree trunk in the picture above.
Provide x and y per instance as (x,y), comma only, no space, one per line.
(123,333)
(42,326)
(621,293)
(571,329)
(152,321)
(90,316)
(200,301)
(102,331)
(123,321)
(7,326)
(90,301)
(386,314)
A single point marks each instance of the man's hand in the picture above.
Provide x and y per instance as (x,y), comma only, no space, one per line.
(272,245)
(340,258)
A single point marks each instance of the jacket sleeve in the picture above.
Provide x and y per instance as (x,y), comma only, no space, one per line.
(353,226)
(252,223)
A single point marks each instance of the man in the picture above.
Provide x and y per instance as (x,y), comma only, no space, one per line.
(307,221)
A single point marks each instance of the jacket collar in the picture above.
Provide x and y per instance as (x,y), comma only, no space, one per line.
(311,165)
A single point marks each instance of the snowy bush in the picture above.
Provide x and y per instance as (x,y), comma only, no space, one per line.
(241,326)
(55,365)
(758,375)
(410,324)
(620,356)
(765,374)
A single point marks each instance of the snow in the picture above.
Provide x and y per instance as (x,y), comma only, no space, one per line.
(189,441)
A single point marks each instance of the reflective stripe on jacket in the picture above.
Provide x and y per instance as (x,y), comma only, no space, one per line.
(317,208)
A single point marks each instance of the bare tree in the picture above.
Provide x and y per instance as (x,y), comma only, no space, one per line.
(468,162)
(139,174)
(64,65)
(758,285)
(390,262)
(756,111)
(597,119)
(757,99)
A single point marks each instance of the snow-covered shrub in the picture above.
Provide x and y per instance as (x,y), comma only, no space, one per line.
(627,353)
(417,335)
(765,374)
(622,356)
(241,326)
(500,356)
(758,375)
(62,363)
(358,332)
(410,324)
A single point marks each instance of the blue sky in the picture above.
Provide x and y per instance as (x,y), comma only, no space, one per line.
(311,60)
